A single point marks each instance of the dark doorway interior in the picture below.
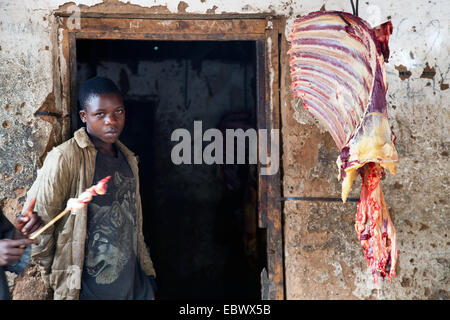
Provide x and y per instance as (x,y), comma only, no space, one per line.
(200,221)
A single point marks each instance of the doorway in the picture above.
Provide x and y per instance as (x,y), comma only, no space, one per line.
(265,32)
(200,221)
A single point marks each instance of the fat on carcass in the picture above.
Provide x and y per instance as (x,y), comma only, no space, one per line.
(337,70)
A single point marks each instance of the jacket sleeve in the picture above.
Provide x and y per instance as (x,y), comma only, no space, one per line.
(51,189)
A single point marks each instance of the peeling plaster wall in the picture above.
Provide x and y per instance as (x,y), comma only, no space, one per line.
(323,259)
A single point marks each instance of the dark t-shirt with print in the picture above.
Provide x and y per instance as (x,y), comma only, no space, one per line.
(111,268)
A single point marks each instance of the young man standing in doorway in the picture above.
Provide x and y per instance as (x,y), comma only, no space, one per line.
(99,252)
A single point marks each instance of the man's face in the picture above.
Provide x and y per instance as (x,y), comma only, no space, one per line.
(104,116)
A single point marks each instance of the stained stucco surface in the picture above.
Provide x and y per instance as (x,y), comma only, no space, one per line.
(323,259)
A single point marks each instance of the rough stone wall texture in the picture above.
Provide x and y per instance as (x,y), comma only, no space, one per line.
(323,259)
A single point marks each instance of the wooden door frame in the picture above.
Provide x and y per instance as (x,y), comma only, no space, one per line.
(265,30)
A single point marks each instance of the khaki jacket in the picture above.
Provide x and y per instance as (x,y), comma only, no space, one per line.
(68,170)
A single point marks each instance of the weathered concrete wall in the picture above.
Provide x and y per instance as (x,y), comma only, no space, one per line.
(323,258)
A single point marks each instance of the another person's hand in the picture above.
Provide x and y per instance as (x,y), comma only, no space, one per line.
(12,250)
(28,222)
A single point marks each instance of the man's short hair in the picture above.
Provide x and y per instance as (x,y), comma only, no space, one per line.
(94,87)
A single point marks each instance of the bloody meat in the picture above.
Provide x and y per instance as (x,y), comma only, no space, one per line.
(337,70)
